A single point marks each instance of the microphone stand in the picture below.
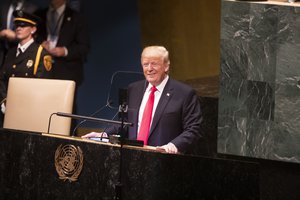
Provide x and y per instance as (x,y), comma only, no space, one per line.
(81,117)
(118,187)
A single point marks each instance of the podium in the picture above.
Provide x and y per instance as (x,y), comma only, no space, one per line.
(28,171)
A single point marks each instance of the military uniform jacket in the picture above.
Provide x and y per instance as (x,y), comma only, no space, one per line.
(4,8)
(23,66)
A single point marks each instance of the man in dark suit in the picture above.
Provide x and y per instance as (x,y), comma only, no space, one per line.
(175,122)
(64,34)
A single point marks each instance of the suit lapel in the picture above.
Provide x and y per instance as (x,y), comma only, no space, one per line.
(163,102)
(63,29)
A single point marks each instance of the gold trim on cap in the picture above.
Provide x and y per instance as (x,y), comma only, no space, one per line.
(25,20)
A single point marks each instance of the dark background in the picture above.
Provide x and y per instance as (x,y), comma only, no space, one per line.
(115,46)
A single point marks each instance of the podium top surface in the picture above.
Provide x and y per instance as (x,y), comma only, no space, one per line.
(274,2)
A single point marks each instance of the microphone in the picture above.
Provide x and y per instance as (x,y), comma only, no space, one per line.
(109,102)
(112,80)
(73,116)
(101,137)
(91,115)
(81,117)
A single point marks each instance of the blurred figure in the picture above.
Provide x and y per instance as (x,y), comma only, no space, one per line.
(7,34)
(64,34)
(75,5)
(28,58)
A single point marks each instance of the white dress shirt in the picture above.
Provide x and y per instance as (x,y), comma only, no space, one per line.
(60,15)
(24,47)
(157,95)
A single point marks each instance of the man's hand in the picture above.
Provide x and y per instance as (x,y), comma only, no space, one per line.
(94,135)
(46,45)
(3,108)
(58,52)
(8,34)
(168,148)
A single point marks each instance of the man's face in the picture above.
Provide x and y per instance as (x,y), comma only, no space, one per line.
(155,69)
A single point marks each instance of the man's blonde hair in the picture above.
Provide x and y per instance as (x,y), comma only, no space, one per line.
(156,51)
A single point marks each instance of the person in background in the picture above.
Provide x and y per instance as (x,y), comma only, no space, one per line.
(75,5)
(165,113)
(65,36)
(7,34)
(28,58)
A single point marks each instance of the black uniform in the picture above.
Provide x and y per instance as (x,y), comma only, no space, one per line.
(23,66)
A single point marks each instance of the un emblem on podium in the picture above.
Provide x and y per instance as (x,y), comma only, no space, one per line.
(68,162)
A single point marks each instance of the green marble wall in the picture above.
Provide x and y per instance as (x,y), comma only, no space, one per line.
(259,100)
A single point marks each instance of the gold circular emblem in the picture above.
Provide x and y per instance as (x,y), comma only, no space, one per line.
(68,162)
(29,63)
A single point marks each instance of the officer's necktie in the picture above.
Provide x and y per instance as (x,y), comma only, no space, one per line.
(147,118)
(19,52)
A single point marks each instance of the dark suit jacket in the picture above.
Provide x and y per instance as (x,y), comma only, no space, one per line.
(74,36)
(177,118)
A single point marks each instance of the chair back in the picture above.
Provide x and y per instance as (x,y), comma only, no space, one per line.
(31,101)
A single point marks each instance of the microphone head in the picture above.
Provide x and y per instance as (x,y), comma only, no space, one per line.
(117,93)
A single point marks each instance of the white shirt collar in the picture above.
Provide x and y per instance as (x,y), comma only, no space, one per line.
(161,86)
(26,45)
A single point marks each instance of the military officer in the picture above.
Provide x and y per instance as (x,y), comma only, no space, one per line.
(28,58)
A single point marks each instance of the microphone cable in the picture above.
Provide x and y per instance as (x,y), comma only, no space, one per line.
(101,138)
(91,115)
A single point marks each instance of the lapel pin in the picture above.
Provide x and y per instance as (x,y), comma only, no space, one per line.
(69,18)
(168,94)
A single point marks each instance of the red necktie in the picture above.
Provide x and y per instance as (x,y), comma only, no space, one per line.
(147,117)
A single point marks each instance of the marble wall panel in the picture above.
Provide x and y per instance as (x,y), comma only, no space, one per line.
(260,81)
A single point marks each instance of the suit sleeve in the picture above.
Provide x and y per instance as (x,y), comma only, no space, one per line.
(191,122)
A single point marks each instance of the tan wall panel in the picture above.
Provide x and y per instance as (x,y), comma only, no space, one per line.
(189,29)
